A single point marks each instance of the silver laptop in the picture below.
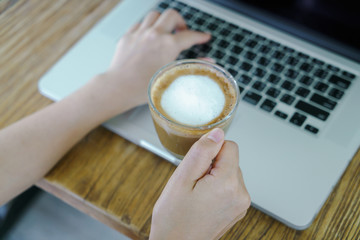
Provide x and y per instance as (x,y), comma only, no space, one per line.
(298,122)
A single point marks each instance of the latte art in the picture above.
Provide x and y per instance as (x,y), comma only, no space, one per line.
(193,100)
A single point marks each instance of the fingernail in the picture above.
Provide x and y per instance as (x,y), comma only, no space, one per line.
(216,135)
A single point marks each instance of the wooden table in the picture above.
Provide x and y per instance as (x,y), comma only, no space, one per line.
(104,175)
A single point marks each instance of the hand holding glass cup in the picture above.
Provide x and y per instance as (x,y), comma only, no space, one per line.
(187,99)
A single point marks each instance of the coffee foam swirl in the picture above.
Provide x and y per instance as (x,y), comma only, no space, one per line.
(193,100)
(166,78)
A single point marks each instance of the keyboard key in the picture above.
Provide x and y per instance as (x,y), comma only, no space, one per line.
(322,87)
(274,79)
(259,72)
(312,110)
(264,49)
(219,54)
(273,43)
(336,93)
(199,21)
(268,105)
(223,43)
(205,48)
(298,119)
(292,61)
(306,67)
(225,32)
(259,86)
(219,21)
(247,32)
(339,81)
(263,61)
(277,67)
(320,73)
(289,50)
(280,114)
(332,68)
(273,92)
(311,129)
(252,97)
(317,62)
(302,55)
(233,26)
(306,80)
(251,43)
(212,26)
(245,66)
(244,79)
(288,99)
(188,16)
(233,72)
(238,37)
(232,60)
(250,55)
(302,92)
(259,37)
(323,101)
(287,85)
(291,73)
(163,5)
(237,49)
(278,55)
(348,75)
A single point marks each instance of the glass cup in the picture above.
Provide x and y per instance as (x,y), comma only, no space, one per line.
(178,137)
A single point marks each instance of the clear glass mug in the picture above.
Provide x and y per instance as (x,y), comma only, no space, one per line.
(176,137)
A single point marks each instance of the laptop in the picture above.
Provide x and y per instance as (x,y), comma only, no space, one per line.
(297,66)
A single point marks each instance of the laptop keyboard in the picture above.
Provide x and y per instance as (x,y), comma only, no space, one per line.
(292,86)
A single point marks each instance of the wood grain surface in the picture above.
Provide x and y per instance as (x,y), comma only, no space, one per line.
(104,175)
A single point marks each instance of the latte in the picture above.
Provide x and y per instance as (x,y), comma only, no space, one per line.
(187,99)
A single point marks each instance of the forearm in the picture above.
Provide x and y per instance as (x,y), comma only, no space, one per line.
(32,146)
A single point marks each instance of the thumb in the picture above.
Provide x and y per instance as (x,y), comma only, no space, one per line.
(200,156)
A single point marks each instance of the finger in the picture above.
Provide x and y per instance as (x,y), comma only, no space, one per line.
(188,38)
(149,20)
(197,161)
(133,28)
(227,160)
(169,21)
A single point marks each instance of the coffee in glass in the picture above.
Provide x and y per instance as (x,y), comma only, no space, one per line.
(187,99)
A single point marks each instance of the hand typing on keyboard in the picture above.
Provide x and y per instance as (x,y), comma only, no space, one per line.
(292,86)
(146,47)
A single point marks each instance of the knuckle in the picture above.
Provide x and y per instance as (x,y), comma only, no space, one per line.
(152,33)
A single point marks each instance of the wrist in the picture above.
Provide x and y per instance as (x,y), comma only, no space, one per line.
(105,96)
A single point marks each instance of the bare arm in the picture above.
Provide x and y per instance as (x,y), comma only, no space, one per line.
(32,146)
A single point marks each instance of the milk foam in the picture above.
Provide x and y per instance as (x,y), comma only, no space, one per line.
(193,100)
